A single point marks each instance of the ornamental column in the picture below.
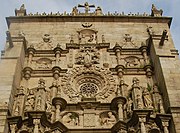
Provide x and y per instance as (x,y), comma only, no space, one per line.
(144,53)
(31,52)
(142,120)
(119,68)
(117,50)
(164,120)
(57,52)
(36,123)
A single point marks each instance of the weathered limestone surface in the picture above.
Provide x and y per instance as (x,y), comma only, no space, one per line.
(89,72)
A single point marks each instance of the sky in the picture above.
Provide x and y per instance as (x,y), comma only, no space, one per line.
(170,9)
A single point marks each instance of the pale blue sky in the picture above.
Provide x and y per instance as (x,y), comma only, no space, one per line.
(170,8)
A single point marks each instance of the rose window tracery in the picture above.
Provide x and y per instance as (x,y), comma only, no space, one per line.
(88,89)
(93,82)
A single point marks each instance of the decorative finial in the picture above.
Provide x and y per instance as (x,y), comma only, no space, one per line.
(155,12)
(21,11)
(22,7)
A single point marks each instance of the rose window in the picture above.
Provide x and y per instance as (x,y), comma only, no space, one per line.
(88,90)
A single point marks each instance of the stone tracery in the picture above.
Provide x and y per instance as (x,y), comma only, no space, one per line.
(81,76)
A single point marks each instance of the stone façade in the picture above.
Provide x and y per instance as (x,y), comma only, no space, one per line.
(89,72)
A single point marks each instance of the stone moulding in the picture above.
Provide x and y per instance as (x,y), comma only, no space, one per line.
(144,19)
(77,46)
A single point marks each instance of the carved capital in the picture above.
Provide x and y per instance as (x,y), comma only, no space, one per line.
(117,48)
(148,69)
(27,72)
(56,72)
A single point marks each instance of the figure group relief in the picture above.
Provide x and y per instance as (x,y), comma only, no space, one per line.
(87,57)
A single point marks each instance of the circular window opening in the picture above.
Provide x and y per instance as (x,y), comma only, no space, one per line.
(88,90)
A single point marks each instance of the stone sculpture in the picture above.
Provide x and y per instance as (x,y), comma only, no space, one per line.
(29,104)
(109,120)
(147,98)
(70,119)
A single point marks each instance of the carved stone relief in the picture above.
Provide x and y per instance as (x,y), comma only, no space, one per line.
(70,119)
(92,82)
(128,42)
(107,119)
(30,100)
(42,63)
(141,97)
(46,44)
(87,57)
(19,101)
(132,61)
(86,36)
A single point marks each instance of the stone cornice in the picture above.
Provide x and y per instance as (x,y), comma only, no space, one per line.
(136,19)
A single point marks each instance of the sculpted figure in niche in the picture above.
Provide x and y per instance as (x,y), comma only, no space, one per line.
(87,57)
(41,83)
(70,119)
(17,108)
(109,120)
(96,56)
(147,98)
(48,101)
(135,81)
(139,101)
(38,107)
(29,104)
(129,106)
(160,106)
